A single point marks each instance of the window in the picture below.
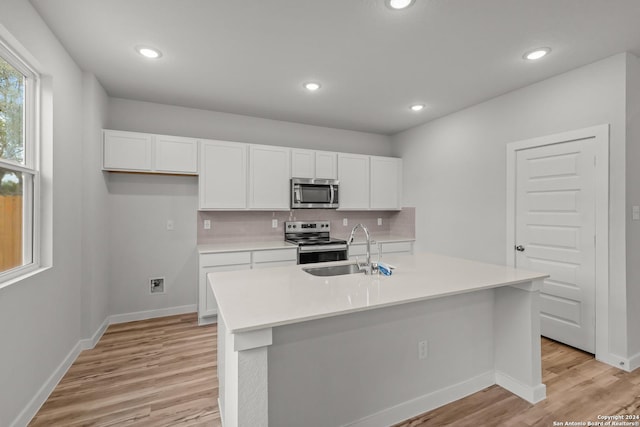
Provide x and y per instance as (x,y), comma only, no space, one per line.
(18,165)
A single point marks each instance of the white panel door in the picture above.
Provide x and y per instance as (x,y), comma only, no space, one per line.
(176,155)
(353,173)
(222,182)
(269,177)
(555,234)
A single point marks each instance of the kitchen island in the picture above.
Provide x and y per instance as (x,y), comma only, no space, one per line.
(296,349)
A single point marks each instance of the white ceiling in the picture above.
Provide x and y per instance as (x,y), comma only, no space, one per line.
(251,56)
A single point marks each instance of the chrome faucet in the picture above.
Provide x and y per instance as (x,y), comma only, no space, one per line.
(367,267)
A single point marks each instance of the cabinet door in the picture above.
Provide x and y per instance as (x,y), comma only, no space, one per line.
(207,305)
(326,165)
(353,173)
(127,151)
(269,176)
(223,175)
(397,248)
(386,183)
(359,251)
(303,164)
(176,155)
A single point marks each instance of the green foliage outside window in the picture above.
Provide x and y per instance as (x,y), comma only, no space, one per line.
(11,126)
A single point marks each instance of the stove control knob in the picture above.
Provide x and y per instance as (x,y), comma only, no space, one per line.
(295,226)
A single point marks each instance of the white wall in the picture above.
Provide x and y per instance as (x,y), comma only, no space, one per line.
(41,317)
(95,234)
(455,168)
(140,205)
(171,120)
(633,198)
(141,247)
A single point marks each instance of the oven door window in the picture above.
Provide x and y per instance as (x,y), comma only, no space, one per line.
(315,194)
(311,257)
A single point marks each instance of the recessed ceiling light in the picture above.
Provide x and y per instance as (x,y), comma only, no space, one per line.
(537,53)
(417,107)
(149,52)
(312,86)
(398,4)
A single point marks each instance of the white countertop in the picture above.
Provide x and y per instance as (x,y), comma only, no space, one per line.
(257,299)
(244,246)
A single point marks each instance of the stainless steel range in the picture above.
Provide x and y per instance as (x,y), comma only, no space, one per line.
(314,242)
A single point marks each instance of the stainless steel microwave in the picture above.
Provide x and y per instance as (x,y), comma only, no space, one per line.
(309,193)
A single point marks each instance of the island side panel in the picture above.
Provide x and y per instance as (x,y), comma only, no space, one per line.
(242,370)
(517,340)
(364,368)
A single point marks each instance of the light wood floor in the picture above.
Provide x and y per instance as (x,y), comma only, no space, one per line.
(159,372)
(162,372)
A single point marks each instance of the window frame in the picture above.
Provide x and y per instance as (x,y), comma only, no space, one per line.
(31,239)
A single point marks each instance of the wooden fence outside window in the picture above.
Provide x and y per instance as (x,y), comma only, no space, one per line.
(10,232)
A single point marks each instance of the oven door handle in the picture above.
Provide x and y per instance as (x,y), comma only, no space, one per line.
(322,248)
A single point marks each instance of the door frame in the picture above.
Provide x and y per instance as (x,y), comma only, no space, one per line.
(600,135)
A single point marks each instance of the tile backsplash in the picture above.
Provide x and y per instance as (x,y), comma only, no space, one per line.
(240,226)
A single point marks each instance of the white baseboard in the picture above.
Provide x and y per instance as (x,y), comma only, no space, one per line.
(422,404)
(34,405)
(221,413)
(32,408)
(634,362)
(151,314)
(530,394)
(207,320)
(619,361)
(89,343)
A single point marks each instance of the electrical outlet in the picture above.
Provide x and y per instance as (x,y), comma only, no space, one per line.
(636,213)
(207,224)
(274,223)
(379,221)
(156,285)
(170,225)
(345,221)
(422,350)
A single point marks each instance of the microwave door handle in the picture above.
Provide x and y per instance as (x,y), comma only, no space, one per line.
(332,193)
(296,195)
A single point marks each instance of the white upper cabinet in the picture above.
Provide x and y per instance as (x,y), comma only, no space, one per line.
(176,155)
(143,152)
(326,165)
(223,175)
(386,179)
(314,164)
(303,163)
(127,151)
(269,177)
(353,173)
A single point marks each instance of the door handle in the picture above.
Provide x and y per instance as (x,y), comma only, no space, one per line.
(519,248)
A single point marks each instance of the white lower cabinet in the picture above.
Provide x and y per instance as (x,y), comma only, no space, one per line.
(275,258)
(359,250)
(232,261)
(211,263)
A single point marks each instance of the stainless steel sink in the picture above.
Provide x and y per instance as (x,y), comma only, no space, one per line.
(334,270)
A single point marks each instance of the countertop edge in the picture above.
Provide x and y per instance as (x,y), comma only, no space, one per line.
(381,306)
